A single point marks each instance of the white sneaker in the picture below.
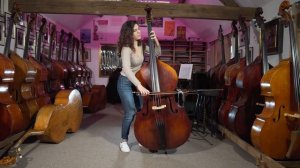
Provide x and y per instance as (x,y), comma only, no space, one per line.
(124,147)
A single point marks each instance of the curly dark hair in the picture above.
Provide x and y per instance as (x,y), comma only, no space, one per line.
(126,36)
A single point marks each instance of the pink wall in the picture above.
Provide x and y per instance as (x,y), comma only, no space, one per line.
(109,35)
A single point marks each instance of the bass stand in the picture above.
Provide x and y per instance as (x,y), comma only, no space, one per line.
(199,126)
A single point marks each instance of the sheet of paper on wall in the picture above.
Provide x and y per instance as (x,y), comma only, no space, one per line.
(185,71)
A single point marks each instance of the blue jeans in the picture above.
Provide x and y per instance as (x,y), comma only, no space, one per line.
(131,103)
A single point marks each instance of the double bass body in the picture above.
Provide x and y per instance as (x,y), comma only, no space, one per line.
(165,128)
(276,130)
(271,123)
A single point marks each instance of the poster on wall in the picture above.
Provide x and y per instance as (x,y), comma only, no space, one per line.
(85,35)
(156,22)
(181,33)
(169,29)
(97,25)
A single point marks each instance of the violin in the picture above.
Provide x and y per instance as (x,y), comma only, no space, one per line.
(161,124)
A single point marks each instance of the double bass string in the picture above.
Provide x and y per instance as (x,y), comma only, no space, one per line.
(295,58)
(179,91)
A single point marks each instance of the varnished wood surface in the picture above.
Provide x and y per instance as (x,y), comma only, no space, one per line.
(229,3)
(97,7)
(65,115)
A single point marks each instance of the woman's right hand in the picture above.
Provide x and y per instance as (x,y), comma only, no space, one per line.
(143,90)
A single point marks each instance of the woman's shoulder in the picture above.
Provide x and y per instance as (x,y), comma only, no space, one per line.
(126,49)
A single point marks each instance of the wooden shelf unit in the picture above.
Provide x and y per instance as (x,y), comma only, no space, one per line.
(176,52)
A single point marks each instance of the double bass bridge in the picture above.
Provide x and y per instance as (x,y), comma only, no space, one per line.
(159,107)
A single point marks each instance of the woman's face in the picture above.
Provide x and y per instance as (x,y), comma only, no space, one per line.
(136,32)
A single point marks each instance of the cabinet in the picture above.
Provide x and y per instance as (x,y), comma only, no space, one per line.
(176,52)
(198,55)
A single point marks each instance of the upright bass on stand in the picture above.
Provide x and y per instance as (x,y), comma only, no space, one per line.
(276,131)
(161,124)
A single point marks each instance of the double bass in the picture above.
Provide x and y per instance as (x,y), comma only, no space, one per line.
(275,131)
(217,80)
(58,72)
(11,117)
(42,72)
(230,82)
(243,111)
(161,124)
(25,93)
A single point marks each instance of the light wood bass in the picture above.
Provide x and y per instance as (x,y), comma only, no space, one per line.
(54,121)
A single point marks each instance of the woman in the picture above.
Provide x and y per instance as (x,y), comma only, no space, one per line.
(132,56)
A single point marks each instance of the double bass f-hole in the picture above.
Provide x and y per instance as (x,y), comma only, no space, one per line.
(277,117)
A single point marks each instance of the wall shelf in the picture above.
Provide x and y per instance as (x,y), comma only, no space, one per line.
(176,52)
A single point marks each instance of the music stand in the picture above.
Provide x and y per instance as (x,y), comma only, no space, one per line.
(200,112)
(185,73)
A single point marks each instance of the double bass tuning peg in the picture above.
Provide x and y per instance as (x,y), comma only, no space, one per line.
(260,104)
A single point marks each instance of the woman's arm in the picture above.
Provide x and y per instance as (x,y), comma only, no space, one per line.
(126,68)
(126,65)
(157,49)
(157,45)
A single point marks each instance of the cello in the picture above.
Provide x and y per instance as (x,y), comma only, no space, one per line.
(275,131)
(242,112)
(161,124)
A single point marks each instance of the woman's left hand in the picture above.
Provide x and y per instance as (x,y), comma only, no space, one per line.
(153,35)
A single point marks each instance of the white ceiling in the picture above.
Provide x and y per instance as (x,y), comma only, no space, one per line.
(207,29)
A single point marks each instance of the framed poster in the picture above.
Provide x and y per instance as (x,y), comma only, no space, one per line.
(169,29)
(181,33)
(85,35)
(20,37)
(87,55)
(7,18)
(2,30)
(274,36)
